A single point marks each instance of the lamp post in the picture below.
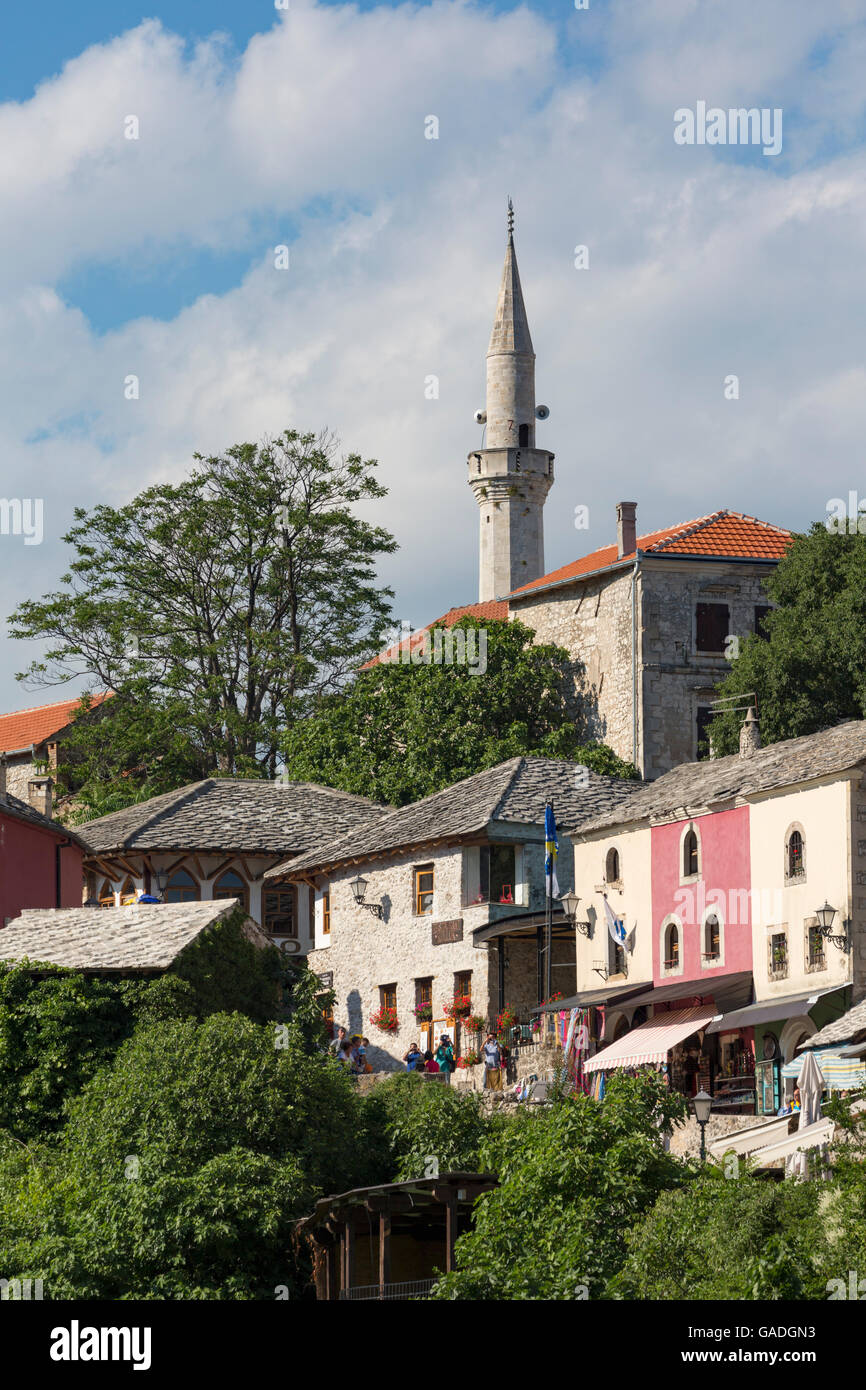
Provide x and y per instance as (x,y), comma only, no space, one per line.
(702,1104)
(161,882)
(825,917)
(569,903)
(359,891)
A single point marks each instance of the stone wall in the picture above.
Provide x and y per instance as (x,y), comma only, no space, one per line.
(686,1138)
(592,619)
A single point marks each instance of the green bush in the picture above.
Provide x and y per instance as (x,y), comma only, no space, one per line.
(424,1119)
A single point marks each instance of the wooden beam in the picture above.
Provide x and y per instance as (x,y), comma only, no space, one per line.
(384,1251)
(221,868)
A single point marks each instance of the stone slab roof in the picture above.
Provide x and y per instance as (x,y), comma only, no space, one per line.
(841,1030)
(695,787)
(144,936)
(515,791)
(22,810)
(245,815)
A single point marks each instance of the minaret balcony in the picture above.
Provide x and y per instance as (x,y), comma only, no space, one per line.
(510,463)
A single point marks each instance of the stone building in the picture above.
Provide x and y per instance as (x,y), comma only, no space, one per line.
(445,898)
(651,623)
(31,738)
(215,839)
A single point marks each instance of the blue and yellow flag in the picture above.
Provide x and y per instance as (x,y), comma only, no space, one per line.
(551,849)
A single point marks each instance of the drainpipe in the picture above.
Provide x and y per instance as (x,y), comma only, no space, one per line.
(58,846)
(637,560)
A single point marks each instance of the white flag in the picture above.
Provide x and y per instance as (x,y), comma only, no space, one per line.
(615,925)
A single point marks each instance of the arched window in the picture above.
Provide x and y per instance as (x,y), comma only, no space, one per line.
(127,892)
(712,937)
(672,946)
(796,857)
(106,894)
(690,854)
(181,888)
(231,885)
(523,436)
(611,866)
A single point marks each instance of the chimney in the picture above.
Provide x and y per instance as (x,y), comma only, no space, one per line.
(3,764)
(626,528)
(39,794)
(750,735)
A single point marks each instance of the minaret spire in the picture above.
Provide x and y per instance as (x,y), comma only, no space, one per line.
(509,476)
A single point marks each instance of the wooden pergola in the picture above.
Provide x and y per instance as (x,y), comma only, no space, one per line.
(386,1241)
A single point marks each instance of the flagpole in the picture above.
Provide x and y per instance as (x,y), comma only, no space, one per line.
(549,926)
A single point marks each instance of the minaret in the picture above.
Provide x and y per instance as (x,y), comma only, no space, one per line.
(509,476)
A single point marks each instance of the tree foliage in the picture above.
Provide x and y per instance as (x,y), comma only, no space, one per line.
(216,609)
(573,1177)
(401,731)
(809,670)
(424,1120)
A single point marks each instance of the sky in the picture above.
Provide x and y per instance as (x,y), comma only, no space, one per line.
(305,127)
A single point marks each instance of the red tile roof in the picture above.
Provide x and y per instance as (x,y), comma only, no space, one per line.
(35,725)
(496,610)
(722,535)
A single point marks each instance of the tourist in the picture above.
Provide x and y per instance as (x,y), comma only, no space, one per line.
(491,1054)
(445,1057)
(413,1058)
(431,1066)
(338,1041)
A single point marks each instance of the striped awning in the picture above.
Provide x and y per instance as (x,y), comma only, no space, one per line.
(840,1073)
(651,1042)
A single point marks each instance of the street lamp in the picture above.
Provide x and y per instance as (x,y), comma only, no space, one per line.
(569,903)
(359,891)
(161,881)
(702,1104)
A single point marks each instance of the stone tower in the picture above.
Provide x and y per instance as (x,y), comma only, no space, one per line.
(509,476)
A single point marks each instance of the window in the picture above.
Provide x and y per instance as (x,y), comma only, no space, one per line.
(712,938)
(795,866)
(181,888)
(703,720)
(326,914)
(523,436)
(496,864)
(672,946)
(616,960)
(711,627)
(127,892)
(761,611)
(815,959)
(690,855)
(424,891)
(778,955)
(388,996)
(424,994)
(231,885)
(463,985)
(611,866)
(106,894)
(278,912)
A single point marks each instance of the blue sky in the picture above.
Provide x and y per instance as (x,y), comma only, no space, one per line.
(155,257)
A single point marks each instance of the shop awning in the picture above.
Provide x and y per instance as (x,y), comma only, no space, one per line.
(651,1042)
(840,1073)
(770,1010)
(731,990)
(609,994)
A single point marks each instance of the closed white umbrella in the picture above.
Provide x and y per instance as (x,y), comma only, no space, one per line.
(811,1083)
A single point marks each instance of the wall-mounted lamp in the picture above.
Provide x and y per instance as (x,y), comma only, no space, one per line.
(825,917)
(569,906)
(359,891)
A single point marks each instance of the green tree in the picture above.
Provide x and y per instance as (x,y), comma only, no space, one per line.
(184,1166)
(422,1120)
(573,1178)
(216,609)
(809,670)
(401,731)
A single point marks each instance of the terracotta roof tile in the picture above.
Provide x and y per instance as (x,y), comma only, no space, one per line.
(496,610)
(34,725)
(720,535)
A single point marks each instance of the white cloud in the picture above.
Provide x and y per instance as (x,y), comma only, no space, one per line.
(700,265)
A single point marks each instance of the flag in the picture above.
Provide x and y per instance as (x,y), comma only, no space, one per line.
(551,849)
(615,925)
